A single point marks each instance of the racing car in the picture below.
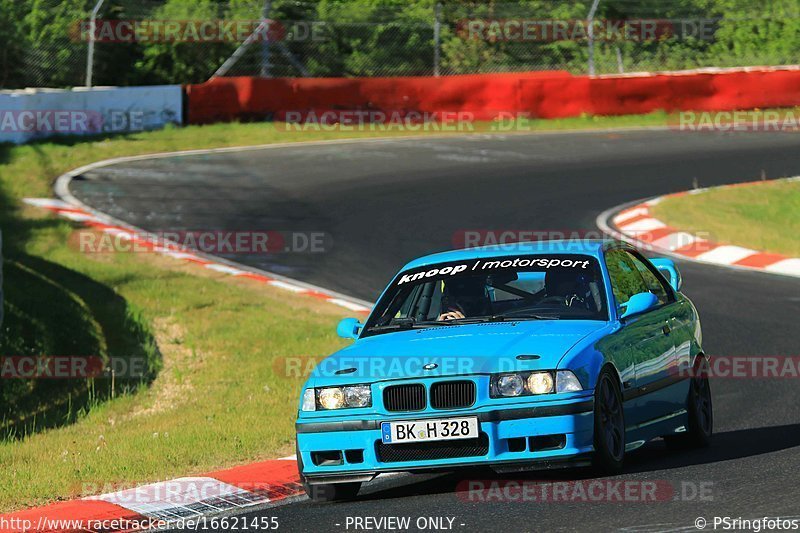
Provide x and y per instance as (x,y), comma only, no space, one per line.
(514,357)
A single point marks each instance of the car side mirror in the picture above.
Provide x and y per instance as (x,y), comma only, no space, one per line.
(639,303)
(349,328)
(669,271)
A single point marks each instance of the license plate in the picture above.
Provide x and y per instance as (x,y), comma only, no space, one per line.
(427,430)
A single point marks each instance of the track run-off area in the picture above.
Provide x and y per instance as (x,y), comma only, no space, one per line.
(380,203)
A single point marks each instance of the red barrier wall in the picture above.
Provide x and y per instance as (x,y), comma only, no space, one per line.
(551,94)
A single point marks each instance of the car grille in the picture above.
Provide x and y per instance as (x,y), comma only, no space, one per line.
(452,394)
(404,397)
(427,451)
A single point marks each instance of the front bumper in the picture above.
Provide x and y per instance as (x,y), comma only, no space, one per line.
(541,436)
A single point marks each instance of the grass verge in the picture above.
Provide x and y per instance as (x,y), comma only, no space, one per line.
(761,216)
(215,396)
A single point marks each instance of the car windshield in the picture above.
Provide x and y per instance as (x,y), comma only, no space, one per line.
(529,287)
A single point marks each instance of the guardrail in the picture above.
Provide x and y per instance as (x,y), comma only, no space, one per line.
(548,94)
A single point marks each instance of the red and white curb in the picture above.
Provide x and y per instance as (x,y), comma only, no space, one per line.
(180,502)
(144,240)
(177,501)
(637,225)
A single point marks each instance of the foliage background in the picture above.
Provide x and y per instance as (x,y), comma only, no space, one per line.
(382,38)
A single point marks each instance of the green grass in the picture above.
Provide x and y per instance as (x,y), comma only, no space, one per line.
(214,396)
(764,216)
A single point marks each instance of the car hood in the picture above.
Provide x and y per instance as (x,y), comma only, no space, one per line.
(455,350)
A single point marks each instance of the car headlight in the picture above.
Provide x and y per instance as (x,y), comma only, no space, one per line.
(512,384)
(509,385)
(330,398)
(540,383)
(566,381)
(357,396)
(309,402)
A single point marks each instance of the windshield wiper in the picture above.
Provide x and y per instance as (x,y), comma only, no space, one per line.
(474,320)
(503,317)
(406,323)
(527,316)
(410,323)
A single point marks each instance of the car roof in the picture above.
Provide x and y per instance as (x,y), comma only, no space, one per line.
(591,247)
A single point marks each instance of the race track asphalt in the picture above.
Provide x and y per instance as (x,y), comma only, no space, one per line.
(382,203)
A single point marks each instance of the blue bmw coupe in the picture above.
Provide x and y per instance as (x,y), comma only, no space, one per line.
(525,356)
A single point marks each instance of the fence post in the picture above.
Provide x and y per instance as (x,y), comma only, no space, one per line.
(265,45)
(90,51)
(437,37)
(590,22)
(238,53)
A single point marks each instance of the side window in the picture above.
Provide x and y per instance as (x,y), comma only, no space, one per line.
(405,309)
(654,284)
(625,278)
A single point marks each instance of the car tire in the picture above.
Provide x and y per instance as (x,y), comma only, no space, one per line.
(329,492)
(699,407)
(609,424)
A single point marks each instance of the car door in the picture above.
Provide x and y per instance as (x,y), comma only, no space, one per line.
(640,347)
(663,367)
